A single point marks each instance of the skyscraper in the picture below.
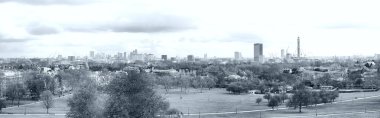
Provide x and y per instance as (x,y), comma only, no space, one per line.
(298,48)
(92,54)
(237,55)
(190,58)
(125,55)
(258,52)
(164,57)
(282,53)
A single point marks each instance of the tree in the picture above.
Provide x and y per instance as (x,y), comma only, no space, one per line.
(333,95)
(210,82)
(35,84)
(258,100)
(359,82)
(284,97)
(82,104)
(300,98)
(273,102)
(237,87)
(315,98)
(2,104)
(184,82)
(267,96)
(324,96)
(166,81)
(47,100)
(131,95)
(15,91)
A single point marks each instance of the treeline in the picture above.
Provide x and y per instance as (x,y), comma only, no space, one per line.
(129,94)
(30,84)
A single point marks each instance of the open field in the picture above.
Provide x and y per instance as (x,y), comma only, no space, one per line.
(60,107)
(218,101)
(222,103)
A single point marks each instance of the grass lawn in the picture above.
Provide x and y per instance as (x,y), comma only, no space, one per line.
(22,102)
(218,100)
(214,100)
(60,107)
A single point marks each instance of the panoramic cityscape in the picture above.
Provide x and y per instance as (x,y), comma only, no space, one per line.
(189,59)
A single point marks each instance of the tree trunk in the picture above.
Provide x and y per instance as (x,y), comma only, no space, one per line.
(47,111)
(300,107)
(18,102)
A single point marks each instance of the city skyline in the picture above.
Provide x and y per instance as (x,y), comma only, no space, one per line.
(174,28)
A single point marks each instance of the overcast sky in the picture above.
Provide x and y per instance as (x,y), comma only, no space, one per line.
(46,28)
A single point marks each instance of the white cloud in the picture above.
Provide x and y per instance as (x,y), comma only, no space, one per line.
(216,27)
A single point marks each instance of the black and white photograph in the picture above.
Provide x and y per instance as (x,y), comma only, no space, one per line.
(189,59)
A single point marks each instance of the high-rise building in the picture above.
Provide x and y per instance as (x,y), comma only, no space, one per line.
(258,52)
(92,54)
(190,57)
(205,56)
(298,48)
(59,57)
(71,58)
(119,55)
(282,53)
(125,55)
(164,57)
(238,55)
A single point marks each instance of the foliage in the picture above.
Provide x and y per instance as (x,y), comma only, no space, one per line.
(238,87)
(47,100)
(273,102)
(15,91)
(267,96)
(82,104)
(131,96)
(284,97)
(300,98)
(35,85)
(258,100)
(2,104)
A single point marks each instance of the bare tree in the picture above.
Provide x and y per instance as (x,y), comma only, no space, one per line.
(47,100)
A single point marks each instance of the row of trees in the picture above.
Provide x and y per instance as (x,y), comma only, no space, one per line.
(129,95)
(304,97)
(185,81)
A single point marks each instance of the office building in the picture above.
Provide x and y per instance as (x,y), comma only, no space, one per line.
(238,56)
(92,54)
(190,57)
(298,48)
(125,55)
(164,57)
(71,58)
(258,52)
(282,53)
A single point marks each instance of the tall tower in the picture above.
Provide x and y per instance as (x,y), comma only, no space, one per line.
(298,48)
(282,53)
(258,52)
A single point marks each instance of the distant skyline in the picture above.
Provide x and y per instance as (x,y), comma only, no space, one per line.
(46,28)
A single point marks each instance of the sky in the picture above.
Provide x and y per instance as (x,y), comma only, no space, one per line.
(218,28)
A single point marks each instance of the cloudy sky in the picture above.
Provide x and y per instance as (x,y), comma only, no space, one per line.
(46,28)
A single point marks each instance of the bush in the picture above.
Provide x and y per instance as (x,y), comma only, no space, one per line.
(237,87)
(2,104)
(267,96)
(258,100)
(172,111)
(273,102)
